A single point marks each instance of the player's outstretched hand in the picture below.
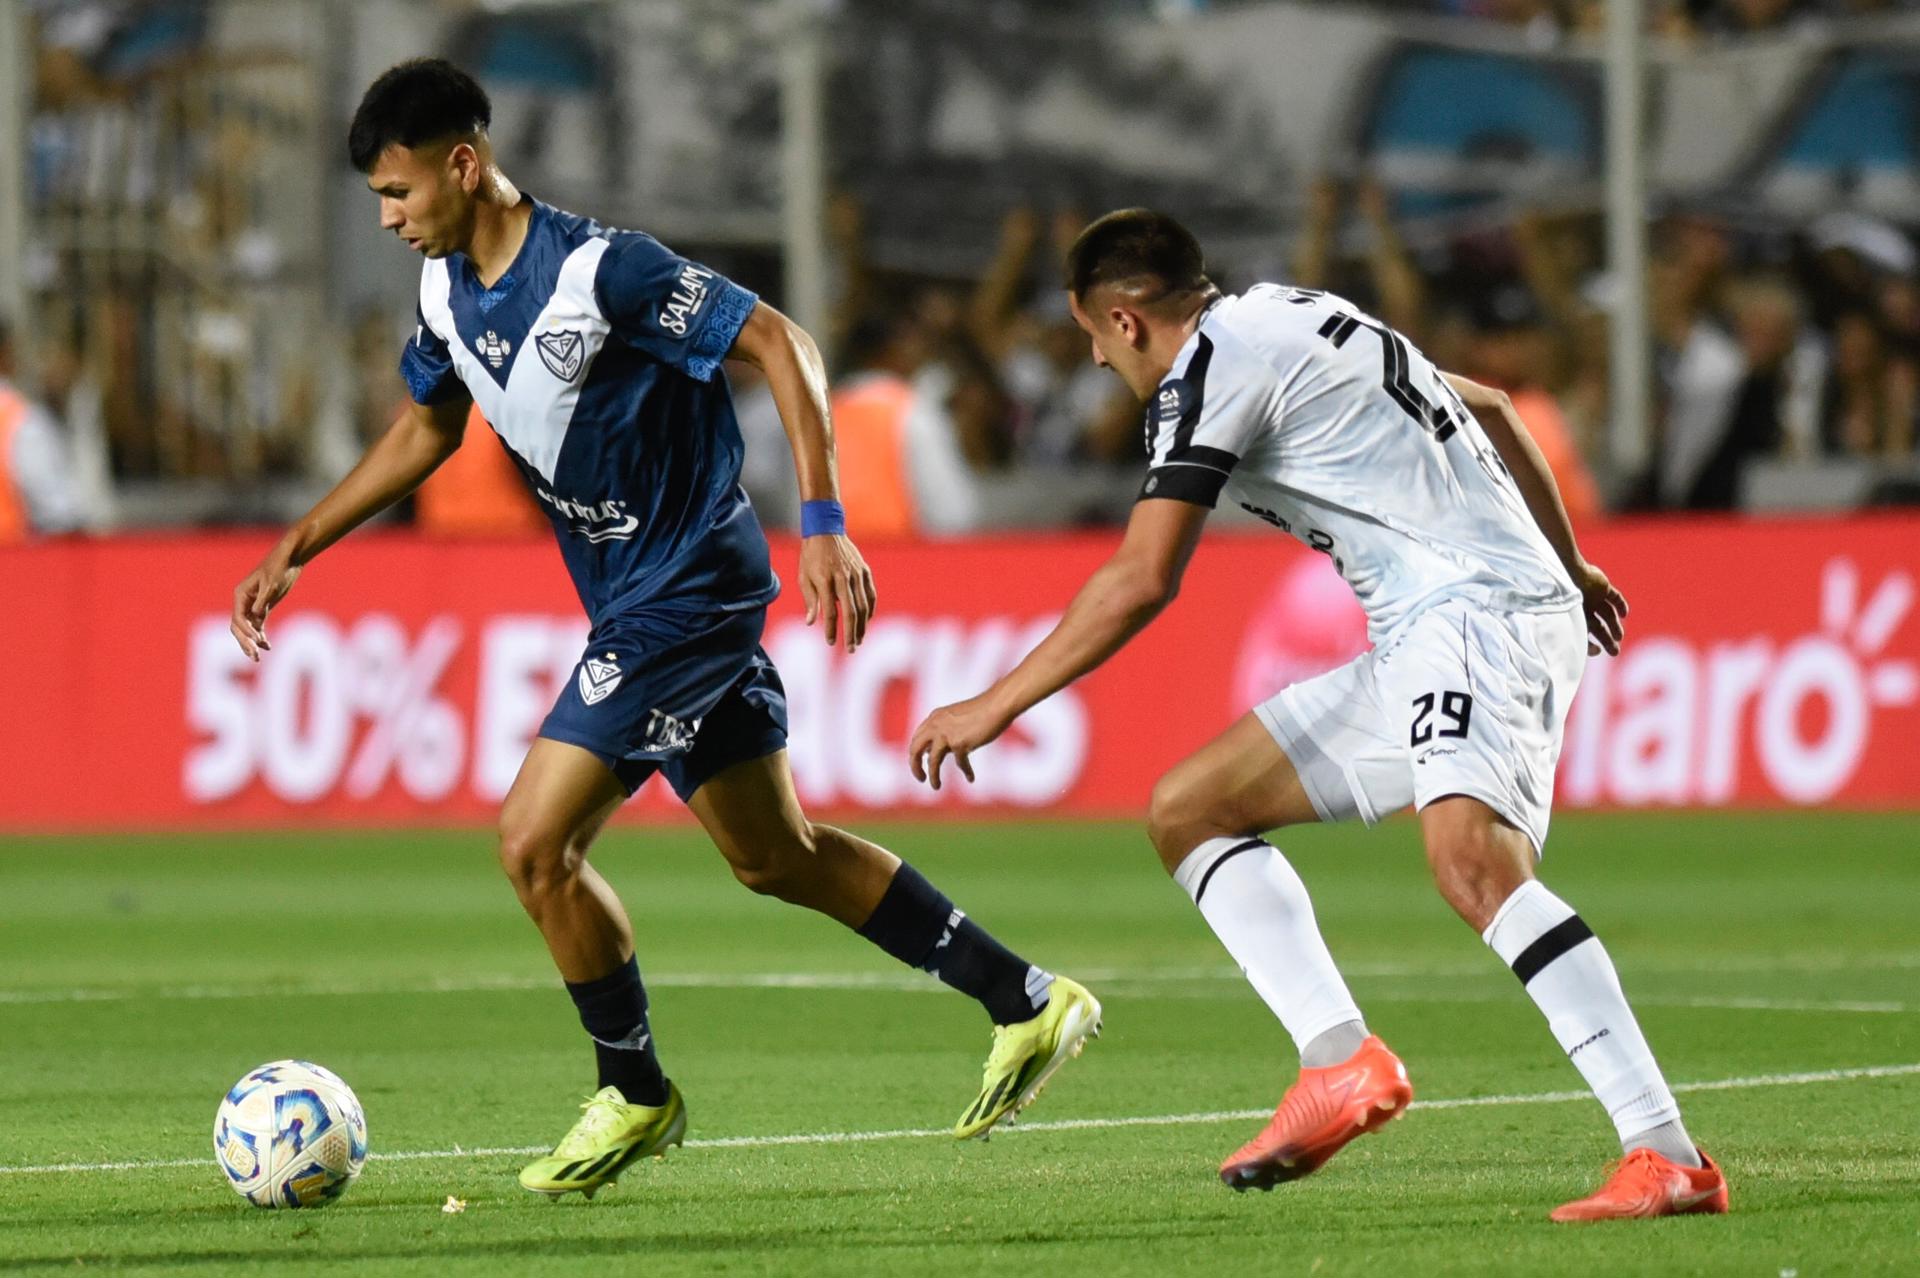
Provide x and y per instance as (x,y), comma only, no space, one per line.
(254,597)
(836,583)
(957,730)
(1606,611)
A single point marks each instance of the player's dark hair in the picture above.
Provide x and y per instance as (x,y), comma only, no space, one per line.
(1141,249)
(419,101)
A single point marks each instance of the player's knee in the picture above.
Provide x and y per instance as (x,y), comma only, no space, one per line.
(1476,868)
(1178,820)
(1164,818)
(765,876)
(536,861)
(780,864)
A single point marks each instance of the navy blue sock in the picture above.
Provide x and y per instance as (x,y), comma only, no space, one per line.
(919,926)
(614,1010)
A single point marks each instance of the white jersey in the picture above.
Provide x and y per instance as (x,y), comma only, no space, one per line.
(1330,426)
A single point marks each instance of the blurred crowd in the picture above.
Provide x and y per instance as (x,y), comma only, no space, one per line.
(963,404)
(958,404)
(1687,21)
(185,367)
(1772,346)
(1771,343)
(169,264)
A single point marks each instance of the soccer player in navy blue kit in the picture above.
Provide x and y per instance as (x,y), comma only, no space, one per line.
(595,355)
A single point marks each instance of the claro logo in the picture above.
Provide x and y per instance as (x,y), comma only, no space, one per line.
(1671,721)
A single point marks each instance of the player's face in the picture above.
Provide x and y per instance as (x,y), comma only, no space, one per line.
(424,197)
(1118,341)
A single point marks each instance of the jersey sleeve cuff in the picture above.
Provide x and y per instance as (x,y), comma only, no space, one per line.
(427,385)
(1185,481)
(716,337)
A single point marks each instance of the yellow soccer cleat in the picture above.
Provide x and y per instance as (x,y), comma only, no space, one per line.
(610,1136)
(1025,1056)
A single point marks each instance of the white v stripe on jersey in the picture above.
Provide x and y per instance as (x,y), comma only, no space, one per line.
(533,411)
(595,360)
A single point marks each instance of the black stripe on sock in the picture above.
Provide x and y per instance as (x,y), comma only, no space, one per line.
(1226,856)
(1554,942)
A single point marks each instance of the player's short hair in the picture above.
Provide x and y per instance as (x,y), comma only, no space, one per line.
(1139,249)
(419,101)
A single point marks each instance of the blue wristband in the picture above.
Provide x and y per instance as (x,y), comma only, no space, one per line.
(820,518)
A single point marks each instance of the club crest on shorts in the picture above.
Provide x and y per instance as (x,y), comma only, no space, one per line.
(563,352)
(598,679)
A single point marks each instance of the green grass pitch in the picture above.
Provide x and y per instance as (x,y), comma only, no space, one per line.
(1774,960)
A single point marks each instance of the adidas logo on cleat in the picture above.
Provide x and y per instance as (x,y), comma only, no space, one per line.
(610,1136)
(1026,1055)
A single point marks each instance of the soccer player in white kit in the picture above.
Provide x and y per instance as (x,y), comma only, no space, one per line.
(1434,504)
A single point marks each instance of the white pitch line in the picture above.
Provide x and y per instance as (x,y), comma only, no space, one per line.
(1506,992)
(883,982)
(1739,1083)
(902,983)
(1776,1004)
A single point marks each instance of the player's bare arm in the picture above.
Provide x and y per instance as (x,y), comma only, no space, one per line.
(1119,599)
(1606,606)
(423,436)
(834,580)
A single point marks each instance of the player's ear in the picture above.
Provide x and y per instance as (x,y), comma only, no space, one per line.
(464,163)
(1127,322)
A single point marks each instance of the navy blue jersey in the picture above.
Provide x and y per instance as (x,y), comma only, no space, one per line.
(596,359)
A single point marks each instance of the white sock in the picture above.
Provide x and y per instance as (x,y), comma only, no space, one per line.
(1259,909)
(1570,978)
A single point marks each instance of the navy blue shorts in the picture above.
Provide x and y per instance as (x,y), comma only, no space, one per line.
(654,693)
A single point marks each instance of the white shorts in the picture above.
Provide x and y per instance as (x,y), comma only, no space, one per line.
(1459,700)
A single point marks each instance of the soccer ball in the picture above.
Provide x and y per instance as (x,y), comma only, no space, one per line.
(290,1134)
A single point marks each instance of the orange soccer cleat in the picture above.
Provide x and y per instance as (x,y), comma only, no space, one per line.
(1647,1184)
(1321,1112)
